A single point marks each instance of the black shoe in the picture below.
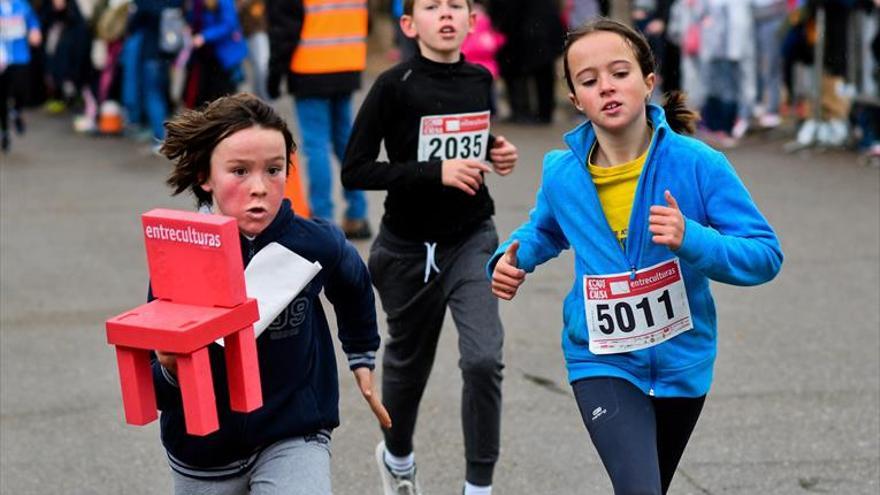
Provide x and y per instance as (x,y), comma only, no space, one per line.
(4,142)
(356,230)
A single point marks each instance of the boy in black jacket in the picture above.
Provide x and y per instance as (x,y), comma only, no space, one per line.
(433,114)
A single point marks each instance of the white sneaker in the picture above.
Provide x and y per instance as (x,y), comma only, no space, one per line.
(394,484)
(740,127)
(838,132)
(770,120)
(806,135)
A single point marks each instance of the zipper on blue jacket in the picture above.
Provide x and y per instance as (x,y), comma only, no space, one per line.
(633,252)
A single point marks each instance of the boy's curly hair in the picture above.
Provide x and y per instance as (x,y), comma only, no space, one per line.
(191,136)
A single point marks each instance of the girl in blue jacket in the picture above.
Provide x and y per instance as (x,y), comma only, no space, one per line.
(652,216)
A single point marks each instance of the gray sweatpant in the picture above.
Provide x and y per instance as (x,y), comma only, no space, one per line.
(415,309)
(296,466)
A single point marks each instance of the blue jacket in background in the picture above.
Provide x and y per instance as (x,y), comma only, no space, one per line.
(726,240)
(17,18)
(222,31)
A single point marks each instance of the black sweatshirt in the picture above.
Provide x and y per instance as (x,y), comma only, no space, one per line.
(418,206)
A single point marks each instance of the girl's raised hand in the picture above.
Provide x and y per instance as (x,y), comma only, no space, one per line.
(364,378)
(503,156)
(506,278)
(666,223)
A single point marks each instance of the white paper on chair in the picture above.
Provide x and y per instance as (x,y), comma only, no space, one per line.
(274,277)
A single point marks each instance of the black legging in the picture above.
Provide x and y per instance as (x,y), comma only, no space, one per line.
(13,83)
(639,438)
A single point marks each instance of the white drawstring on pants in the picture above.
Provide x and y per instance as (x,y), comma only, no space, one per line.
(430,264)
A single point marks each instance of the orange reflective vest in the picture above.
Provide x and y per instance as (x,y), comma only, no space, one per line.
(333,37)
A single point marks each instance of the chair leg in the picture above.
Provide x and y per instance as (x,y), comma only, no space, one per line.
(197,391)
(136,378)
(243,371)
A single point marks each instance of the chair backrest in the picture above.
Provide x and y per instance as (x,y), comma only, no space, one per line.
(194,258)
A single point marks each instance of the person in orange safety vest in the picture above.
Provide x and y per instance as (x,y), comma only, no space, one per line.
(320,46)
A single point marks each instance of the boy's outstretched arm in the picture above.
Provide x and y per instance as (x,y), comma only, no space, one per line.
(350,291)
(364,378)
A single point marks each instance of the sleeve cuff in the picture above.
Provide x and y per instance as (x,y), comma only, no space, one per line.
(361,360)
(693,246)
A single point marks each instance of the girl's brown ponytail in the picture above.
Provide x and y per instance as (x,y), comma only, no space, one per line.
(682,119)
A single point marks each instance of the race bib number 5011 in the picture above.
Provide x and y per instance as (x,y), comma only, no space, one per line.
(446,137)
(626,313)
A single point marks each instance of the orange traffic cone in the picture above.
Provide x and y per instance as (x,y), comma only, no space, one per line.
(293,190)
(110,119)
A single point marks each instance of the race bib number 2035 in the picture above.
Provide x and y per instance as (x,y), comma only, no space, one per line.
(446,137)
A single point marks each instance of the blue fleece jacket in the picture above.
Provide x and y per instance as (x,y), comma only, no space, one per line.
(726,239)
(221,30)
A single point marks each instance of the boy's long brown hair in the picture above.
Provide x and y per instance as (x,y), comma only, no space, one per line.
(681,118)
(192,136)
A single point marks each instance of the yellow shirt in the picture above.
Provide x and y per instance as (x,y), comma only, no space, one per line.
(616,186)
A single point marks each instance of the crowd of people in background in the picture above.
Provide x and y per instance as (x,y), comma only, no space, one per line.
(123,66)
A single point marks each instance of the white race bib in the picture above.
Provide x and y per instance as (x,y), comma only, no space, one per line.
(627,313)
(446,137)
(12,28)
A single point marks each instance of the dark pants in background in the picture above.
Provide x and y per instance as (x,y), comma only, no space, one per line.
(13,85)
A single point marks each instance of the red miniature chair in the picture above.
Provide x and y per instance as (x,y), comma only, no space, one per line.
(197,277)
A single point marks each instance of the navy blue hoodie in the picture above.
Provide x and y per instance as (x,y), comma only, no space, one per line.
(296,356)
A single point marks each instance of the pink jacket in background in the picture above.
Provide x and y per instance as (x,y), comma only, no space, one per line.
(481,45)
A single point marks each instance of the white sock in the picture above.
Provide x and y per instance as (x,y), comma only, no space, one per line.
(400,465)
(470,489)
